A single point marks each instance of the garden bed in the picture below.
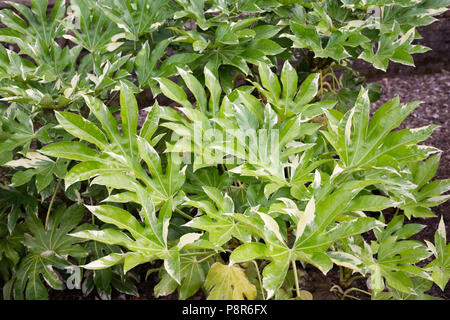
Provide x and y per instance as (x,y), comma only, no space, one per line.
(108,180)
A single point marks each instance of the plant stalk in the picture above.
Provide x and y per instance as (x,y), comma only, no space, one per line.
(183,214)
(297,288)
(51,203)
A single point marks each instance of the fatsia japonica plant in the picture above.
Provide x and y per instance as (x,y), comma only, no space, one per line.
(224,148)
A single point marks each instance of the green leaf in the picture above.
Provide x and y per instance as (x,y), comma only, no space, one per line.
(89,169)
(370,203)
(137,18)
(173,92)
(82,128)
(440,267)
(274,274)
(85,21)
(71,150)
(118,217)
(49,249)
(289,80)
(269,80)
(248,251)
(195,87)
(192,276)
(107,236)
(225,35)
(213,85)
(308,90)
(129,115)
(105,262)
(172,264)
(151,123)
(395,260)
(228,282)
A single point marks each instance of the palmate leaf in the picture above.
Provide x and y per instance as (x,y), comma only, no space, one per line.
(36,34)
(85,23)
(272,147)
(427,194)
(35,30)
(262,154)
(360,142)
(390,48)
(228,282)
(103,280)
(137,18)
(148,240)
(147,243)
(210,177)
(15,67)
(226,42)
(193,275)
(396,257)
(420,286)
(29,275)
(311,244)
(18,132)
(309,37)
(338,31)
(301,206)
(177,94)
(198,131)
(14,202)
(214,131)
(146,65)
(285,95)
(440,267)
(11,245)
(316,232)
(217,221)
(120,153)
(370,145)
(110,71)
(49,249)
(37,165)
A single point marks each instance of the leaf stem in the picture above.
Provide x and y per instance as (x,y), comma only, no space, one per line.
(183,214)
(259,279)
(193,254)
(51,203)
(396,212)
(346,293)
(297,288)
(206,258)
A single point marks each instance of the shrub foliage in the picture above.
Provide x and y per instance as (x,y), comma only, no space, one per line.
(224,144)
